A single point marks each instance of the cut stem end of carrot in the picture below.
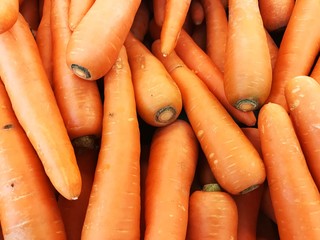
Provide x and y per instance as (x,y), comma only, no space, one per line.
(85,142)
(249,189)
(246,105)
(166,115)
(211,187)
(81,72)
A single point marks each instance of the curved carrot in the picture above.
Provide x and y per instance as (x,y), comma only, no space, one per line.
(79,100)
(275,14)
(140,23)
(213,214)
(302,95)
(315,73)
(77,10)
(91,57)
(294,194)
(9,11)
(247,68)
(158,98)
(297,52)
(234,161)
(197,60)
(38,113)
(172,164)
(217,31)
(174,19)
(114,204)
(28,209)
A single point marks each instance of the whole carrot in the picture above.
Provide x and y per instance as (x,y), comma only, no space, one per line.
(293,192)
(234,161)
(9,11)
(303,97)
(247,69)
(28,208)
(171,168)
(158,98)
(213,214)
(35,106)
(91,57)
(114,205)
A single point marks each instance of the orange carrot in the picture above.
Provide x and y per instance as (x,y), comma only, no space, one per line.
(275,14)
(114,205)
(96,41)
(234,161)
(44,39)
(159,11)
(213,214)
(303,98)
(140,23)
(172,164)
(38,113)
(29,9)
(273,49)
(198,61)
(297,52)
(28,209)
(266,206)
(197,12)
(315,73)
(158,98)
(217,31)
(294,194)
(9,11)
(73,212)
(79,100)
(247,68)
(77,10)
(174,19)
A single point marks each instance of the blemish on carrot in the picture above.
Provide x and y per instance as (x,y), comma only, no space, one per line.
(7,126)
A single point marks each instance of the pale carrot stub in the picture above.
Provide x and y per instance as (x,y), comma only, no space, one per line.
(96,41)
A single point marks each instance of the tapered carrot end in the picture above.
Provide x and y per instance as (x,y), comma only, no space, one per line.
(81,72)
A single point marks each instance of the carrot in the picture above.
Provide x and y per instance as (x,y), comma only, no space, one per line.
(275,14)
(172,164)
(198,61)
(79,100)
(234,161)
(273,49)
(38,112)
(29,9)
(114,209)
(174,19)
(247,68)
(315,73)
(199,35)
(9,11)
(203,173)
(159,11)
(91,57)
(197,12)
(217,31)
(266,228)
(158,98)
(140,23)
(266,206)
(213,214)
(73,212)
(293,192)
(44,39)
(252,133)
(302,95)
(28,209)
(296,52)
(77,10)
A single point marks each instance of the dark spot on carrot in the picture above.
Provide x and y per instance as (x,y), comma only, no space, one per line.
(111,114)
(12,185)
(7,126)
(166,114)
(80,71)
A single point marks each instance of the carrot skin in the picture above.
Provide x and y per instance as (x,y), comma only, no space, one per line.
(49,138)
(9,11)
(315,73)
(77,11)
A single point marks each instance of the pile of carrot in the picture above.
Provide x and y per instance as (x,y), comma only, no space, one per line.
(159,119)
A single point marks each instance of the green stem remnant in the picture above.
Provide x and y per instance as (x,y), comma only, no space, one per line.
(166,115)
(80,71)
(211,187)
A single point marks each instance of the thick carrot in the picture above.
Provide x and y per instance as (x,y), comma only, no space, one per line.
(158,98)
(140,23)
(77,10)
(44,39)
(28,209)
(9,11)
(275,14)
(247,68)
(114,205)
(234,161)
(174,19)
(79,100)
(293,192)
(213,214)
(73,212)
(297,52)
(198,61)
(303,98)
(24,77)
(96,41)
(172,164)
(315,73)
(217,31)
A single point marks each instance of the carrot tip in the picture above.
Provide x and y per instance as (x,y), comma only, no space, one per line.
(166,115)
(80,71)
(249,189)
(246,105)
